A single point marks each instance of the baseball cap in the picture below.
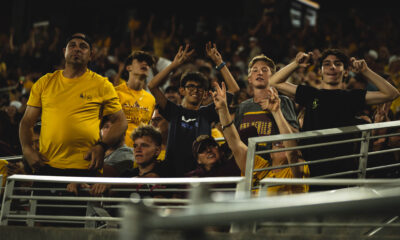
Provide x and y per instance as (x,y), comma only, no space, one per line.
(201,143)
(81,36)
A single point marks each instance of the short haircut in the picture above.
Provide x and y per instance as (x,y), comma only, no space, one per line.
(270,63)
(338,53)
(171,88)
(140,56)
(195,77)
(147,130)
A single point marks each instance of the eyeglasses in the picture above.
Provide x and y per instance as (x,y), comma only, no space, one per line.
(192,87)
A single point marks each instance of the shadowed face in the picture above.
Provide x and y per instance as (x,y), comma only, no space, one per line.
(208,155)
(259,75)
(332,71)
(145,150)
(77,52)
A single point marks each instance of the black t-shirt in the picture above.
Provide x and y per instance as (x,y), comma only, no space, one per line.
(184,127)
(329,109)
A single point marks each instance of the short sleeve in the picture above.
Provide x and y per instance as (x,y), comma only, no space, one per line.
(304,94)
(170,110)
(289,112)
(35,95)
(110,99)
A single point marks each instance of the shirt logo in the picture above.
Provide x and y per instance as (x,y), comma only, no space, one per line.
(315,103)
(188,120)
(85,96)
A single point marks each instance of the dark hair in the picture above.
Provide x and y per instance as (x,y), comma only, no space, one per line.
(171,88)
(270,63)
(140,56)
(147,130)
(335,52)
(195,77)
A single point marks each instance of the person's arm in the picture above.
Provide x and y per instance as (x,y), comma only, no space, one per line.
(213,53)
(155,84)
(239,149)
(386,92)
(33,157)
(273,105)
(278,80)
(117,129)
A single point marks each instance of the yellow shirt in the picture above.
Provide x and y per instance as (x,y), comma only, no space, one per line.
(138,107)
(71,110)
(3,171)
(260,162)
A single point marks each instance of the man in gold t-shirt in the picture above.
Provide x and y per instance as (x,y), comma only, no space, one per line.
(71,103)
(137,104)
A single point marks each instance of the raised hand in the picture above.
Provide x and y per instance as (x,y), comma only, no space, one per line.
(303,59)
(358,66)
(272,103)
(182,55)
(212,52)
(219,96)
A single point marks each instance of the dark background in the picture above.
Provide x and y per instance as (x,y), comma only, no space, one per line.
(111,16)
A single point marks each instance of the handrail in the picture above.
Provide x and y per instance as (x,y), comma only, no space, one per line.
(362,155)
(125,181)
(384,198)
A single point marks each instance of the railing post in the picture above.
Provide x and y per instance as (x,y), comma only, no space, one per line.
(364,154)
(248,181)
(32,211)
(6,204)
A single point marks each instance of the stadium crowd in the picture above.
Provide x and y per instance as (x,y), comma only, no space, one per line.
(157,111)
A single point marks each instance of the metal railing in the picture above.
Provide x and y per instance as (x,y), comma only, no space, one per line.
(98,205)
(376,195)
(364,130)
(242,193)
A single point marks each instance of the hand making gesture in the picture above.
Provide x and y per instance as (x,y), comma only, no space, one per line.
(182,56)
(219,96)
(303,59)
(212,52)
(272,103)
(358,66)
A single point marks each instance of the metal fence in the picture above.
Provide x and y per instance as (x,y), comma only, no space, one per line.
(20,204)
(227,205)
(364,132)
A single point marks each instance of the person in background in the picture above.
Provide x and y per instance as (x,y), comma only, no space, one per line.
(189,120)
(137,104)
(239,148)
(331,106)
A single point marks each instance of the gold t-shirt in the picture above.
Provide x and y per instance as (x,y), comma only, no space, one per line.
(138,107)
(71,111)
(260,162)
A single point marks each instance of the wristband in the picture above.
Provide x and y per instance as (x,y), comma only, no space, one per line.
(219,67)
(102,144)
(227,125)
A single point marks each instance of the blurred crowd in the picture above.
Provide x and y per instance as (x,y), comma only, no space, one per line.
(354,31)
